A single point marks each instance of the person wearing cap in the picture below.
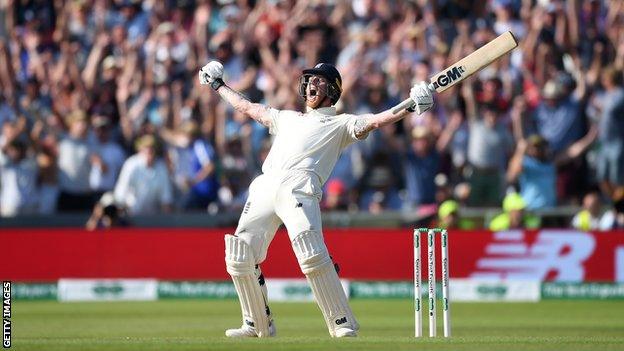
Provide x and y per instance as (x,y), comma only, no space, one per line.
(557,117)
(514,215)
(304,152)
(448,214)
(534,164)
(450,218)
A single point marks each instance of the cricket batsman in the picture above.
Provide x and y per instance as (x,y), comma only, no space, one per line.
(304,151)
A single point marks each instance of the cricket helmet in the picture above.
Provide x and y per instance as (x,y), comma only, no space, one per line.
(327,71)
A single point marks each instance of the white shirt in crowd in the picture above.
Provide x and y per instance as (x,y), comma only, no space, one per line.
(604,222)
(142,189)
(113,157)
(18,187)
(309,141)
(75,165)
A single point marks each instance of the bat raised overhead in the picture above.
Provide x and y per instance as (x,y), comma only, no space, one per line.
(467,66)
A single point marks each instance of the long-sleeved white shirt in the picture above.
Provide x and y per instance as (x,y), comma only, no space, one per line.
(143,189)
(309,141)
(18,186)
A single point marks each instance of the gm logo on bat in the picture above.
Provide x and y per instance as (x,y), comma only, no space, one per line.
(449,77)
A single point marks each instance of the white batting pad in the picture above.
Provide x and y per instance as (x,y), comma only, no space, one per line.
(241,266)
(318,267)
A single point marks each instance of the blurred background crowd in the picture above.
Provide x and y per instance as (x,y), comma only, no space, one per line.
(100,105)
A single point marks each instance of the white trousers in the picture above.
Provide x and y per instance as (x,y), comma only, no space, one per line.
(290,197)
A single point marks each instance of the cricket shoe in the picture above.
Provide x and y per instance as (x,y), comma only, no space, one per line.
(345,333)
(246,331)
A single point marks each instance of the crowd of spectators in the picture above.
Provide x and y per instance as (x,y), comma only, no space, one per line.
(102,96)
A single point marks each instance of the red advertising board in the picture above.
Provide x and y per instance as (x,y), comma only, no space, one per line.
(375,254)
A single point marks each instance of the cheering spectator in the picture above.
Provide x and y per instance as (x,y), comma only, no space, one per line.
(44,135)
(454,140)
(489,144)
(611,133)
(534,169)
(422,163)
(75,158)
(194,164)
(534,166)
(559,120)
(109,158)
(143,186)
(18,180)
(203,180)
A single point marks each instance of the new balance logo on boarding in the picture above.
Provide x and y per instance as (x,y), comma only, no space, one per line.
(553,255)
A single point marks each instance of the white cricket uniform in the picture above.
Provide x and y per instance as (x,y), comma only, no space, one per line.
(302,157)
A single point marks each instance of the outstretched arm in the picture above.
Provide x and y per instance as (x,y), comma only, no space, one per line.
(423,101)
(240,103)
(212,74)
(371,121)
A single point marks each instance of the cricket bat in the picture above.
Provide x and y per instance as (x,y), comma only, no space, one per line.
(467,66)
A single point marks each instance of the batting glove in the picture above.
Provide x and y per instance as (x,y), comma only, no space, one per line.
(212,73)
(422,97)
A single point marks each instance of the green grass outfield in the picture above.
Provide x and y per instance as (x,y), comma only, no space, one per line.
(386,325)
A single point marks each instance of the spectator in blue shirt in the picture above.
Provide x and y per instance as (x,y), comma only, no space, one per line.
(558,117)
(136,20)
(534,166)
(611,133)
(535,171)
(421,165)
(203,182)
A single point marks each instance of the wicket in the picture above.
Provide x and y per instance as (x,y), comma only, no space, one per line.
(431,281)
